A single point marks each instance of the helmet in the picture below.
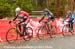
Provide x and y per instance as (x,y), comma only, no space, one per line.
(69,12)
(46,10)
(17,9)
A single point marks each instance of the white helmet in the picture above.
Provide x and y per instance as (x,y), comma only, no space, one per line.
(17,9)
(69,11)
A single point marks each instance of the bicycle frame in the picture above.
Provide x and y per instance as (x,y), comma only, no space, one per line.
(16,25)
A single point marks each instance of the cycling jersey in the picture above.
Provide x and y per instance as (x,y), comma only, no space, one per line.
(23,14)
(49,15)
(72,19)
(70,16)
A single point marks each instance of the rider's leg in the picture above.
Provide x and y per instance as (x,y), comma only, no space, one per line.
(24,27)
(50,21)
(71,25)
(23,20)
(19,26)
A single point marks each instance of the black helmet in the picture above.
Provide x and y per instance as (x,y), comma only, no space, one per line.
(69,12)
(46,10)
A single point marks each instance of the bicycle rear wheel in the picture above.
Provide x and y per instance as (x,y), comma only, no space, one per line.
(29,34)
(43,33)
(52,30)
(11,35)
(66,30)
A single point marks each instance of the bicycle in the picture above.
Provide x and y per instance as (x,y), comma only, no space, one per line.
(66,29)
(46,30)
(13,33)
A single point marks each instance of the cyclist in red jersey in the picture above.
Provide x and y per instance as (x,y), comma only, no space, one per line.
(22,16)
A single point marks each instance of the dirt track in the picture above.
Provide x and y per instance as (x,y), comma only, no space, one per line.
(59,42)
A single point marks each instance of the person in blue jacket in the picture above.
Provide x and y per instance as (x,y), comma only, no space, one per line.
(70,15)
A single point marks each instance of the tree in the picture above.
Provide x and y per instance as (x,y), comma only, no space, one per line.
(5,10)
(7,7)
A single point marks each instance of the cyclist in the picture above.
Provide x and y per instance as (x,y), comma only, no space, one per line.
(69,18)
(49,14)
(22,16)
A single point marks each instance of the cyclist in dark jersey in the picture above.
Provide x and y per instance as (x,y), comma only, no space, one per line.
(48,14)
(22,16)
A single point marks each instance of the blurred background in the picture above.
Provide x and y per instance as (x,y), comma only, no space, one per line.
(58,7)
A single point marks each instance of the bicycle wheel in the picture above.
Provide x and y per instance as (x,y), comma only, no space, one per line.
(29,34)
(43,33)
(52,30)
(66,30)
(11,35)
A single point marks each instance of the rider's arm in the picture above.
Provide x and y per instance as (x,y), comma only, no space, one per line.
(42,18)
(15,18)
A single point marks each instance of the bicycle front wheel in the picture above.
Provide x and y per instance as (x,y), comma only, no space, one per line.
(28,34)
(11,35)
